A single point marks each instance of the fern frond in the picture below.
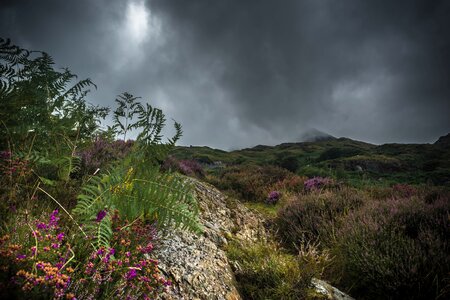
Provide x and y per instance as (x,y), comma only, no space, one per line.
(68,165)
(168,198)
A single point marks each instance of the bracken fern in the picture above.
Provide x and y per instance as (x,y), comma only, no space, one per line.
(166,198)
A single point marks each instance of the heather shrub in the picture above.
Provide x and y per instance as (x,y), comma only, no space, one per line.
(102,153)
(251,183)
(37,258)
(187,167)
(314,216)
(266,271)
(292,183)
(395,249)
(403,190)
(316,183)
(273,197)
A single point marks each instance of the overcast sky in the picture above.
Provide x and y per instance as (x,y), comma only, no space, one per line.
(241,73)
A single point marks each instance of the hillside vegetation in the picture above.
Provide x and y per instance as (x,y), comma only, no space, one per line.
(354,161)
(83,210)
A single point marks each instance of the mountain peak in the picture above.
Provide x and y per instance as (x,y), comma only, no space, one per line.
(443,140)
(314,135)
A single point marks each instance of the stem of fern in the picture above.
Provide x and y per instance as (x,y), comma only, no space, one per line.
(36,245)
(126,226)
(70,259)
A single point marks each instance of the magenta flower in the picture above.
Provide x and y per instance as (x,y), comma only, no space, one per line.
(101,215)
(316,183)
(60,236)
(21,256)
(131,274)
(273,198)
(41,226)
(54,218)
(40,266)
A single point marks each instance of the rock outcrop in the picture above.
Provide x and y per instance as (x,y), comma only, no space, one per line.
(197,263)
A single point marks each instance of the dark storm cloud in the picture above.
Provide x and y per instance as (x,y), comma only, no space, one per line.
(239,73)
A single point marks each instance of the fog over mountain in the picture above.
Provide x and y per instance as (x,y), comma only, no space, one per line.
(242,73)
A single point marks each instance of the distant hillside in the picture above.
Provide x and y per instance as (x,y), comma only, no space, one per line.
(341,158)
(443,141)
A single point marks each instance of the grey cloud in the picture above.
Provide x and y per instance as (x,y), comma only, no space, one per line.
(240,73)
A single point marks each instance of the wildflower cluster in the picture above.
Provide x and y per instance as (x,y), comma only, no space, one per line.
(273,197)
(43,267)
(125,270)
(316,183)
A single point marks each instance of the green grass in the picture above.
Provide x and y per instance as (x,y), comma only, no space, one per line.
(265,271)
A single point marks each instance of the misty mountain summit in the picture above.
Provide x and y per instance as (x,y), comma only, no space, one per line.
(315,135)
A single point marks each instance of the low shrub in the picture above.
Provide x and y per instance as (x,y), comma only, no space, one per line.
(316,183)
(314,216)
(292,183)
(187,167)
(273,197)
(101,153)
(251,183)
(395,249)
(265,271)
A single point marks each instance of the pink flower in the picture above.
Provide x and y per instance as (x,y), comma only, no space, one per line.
(148,248)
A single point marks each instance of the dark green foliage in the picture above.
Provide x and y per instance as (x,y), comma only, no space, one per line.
(287,161)
(38,103)
(381,165)
(336,152)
